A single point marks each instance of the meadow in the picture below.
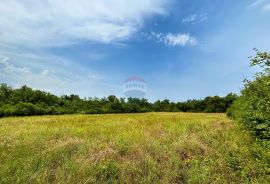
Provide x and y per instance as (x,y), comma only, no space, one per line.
(130,148)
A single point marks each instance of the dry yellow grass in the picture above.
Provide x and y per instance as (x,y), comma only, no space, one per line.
(130,148)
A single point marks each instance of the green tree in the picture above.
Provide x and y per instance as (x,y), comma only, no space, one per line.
(5,93)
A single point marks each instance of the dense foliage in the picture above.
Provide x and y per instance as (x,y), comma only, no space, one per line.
(26,101)
(253,107)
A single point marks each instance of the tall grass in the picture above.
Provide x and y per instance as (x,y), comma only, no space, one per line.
(130,148)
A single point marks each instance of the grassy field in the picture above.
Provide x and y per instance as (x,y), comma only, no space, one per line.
(130,148)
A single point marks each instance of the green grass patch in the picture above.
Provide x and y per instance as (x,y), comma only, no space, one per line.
(130,148)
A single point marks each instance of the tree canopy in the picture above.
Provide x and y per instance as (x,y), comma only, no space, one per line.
(25,101)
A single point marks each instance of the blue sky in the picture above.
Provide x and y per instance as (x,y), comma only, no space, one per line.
(183,49)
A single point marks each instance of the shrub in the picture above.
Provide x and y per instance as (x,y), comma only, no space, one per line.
(25,109)
(253,107)
(21,109)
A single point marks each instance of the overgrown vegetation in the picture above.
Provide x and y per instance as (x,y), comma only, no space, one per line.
(253,107)
(26,101)
(130,148)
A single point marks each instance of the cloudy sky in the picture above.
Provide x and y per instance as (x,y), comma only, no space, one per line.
(183,49)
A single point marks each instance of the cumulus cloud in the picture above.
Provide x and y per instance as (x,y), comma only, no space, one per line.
(193,18)
(170,39)
(62,22)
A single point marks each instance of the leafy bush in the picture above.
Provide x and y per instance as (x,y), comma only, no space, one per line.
(7,110)
(21,109)
(253,107)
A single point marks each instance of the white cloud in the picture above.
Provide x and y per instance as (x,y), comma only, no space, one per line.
(169,39)
(179,40)
(190,18)
(61,22)
(52,80)
(193,18)
(9,68)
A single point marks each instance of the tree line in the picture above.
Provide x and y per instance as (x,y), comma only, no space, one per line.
(26,101)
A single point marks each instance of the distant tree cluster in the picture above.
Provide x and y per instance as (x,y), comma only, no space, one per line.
(252,108)
(25,101)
